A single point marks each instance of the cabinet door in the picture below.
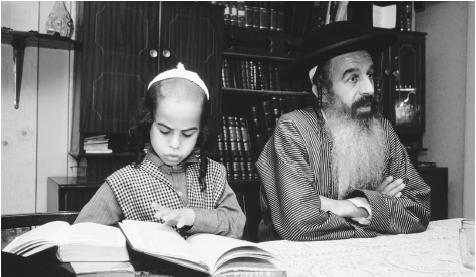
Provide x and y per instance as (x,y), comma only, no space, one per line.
(406,84)
(116,64)
(192,33)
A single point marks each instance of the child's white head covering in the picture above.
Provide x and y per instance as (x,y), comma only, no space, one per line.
(181,72)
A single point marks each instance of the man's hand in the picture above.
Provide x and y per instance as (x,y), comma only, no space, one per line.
(391,187)
(342,208)
(180,217)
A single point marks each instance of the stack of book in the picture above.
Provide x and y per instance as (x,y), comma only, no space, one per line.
(97,145)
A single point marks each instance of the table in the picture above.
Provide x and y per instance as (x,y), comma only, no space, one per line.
(434,252)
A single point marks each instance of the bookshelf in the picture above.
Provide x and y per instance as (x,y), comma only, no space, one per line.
(253,97)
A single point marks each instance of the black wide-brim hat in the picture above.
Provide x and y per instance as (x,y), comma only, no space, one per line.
(335,39)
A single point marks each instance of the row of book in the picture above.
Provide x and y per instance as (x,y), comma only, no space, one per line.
(239,144)
(265,15)
(265,116)
(255,75)
(234,149)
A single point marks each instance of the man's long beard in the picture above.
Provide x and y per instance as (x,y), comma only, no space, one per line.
(358,153)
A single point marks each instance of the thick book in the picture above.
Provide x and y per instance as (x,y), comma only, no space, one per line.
(212,254)
(97,269)
(79,242)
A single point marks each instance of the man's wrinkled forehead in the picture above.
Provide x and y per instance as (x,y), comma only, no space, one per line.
(348,62)
(356,58)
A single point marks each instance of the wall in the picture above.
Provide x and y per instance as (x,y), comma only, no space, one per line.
(449,97)
(468,199)
(35,137)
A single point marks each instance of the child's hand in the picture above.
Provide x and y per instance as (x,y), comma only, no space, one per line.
(179,218)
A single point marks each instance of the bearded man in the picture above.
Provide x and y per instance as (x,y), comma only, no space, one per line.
(338,170)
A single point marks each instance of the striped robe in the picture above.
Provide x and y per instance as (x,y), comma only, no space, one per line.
(295,169)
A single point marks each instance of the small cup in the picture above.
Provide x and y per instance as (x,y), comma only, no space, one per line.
(466,243)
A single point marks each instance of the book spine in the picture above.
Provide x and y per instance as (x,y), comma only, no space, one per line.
(240,13)
(248,15)
(281,17)
(226,147)
(226,13)
(256,15)
(263,16)
(273,17)
(233,14)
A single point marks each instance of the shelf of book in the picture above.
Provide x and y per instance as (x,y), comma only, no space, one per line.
(263,44)
(264,92)
(257,56)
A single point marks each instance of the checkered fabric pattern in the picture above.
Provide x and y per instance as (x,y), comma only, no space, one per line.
(295,168)
(136,188)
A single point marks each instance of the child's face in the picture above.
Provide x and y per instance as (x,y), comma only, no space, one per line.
(176,124)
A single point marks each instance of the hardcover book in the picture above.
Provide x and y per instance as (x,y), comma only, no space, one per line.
(211,254)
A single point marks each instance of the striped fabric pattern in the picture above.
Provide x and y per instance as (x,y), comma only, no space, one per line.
(136,188)
(295,168)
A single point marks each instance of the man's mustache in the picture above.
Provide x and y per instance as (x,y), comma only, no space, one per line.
(366,100)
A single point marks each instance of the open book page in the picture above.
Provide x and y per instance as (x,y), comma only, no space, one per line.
(93,233)
(161,241)
(244,266)
(93,242)
(215,250)
(38,239)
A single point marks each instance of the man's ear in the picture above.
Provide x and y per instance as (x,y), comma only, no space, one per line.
(316,92)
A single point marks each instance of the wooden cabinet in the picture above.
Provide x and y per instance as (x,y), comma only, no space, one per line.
(127,43)
(400,88)
(437,179)
(115,64)
(69,193)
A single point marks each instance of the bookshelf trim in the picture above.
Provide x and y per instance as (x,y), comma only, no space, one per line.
(256,56)
(102,155)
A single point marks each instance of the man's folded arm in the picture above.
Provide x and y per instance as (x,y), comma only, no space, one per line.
(408,213)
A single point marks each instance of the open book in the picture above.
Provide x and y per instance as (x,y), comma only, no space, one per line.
(212,254)
(78,242)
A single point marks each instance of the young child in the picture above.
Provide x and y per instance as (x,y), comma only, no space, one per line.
(174,182)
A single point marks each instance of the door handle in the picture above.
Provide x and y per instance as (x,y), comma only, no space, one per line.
(166,53)
(153,53)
